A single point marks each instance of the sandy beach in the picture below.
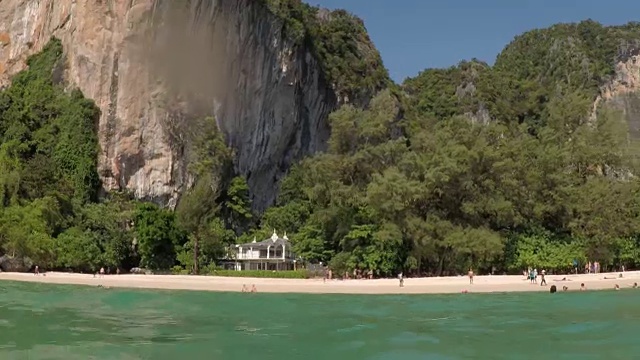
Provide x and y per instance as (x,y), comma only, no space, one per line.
(432,285)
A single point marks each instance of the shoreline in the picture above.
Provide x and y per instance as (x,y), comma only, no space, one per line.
(428,285)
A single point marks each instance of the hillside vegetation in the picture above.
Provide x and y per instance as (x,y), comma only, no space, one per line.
(495,168)
(417,183)
(350,62)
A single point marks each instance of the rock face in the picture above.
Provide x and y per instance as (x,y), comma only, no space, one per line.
(151,65)
(17,264)
(623,91)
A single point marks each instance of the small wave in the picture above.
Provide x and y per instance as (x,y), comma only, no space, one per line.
(421,320)
(354,328)
(243,328)
(438,319)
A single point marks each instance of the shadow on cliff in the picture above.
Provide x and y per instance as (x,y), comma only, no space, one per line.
(229,60)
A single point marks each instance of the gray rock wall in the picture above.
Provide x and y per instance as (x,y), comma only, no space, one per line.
(151,65)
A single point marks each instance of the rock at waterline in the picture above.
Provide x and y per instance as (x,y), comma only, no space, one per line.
(15,264)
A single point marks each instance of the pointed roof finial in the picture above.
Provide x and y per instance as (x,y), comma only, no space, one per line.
(274,237)
(285,236)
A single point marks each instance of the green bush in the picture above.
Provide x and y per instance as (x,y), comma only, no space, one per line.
(294,274)
(179,270)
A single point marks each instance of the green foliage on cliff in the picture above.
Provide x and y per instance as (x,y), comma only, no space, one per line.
(49,182)
(565,60)
(47,137)
(530,75)
(413,182)
(49,208)
(443,93)
(340,41)
(436,191)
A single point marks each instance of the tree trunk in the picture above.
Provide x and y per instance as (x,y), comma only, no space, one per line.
(195,255)
(440,266)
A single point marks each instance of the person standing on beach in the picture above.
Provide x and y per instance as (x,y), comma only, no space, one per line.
(36,271)
(401,279)
(470,276)
(542,280)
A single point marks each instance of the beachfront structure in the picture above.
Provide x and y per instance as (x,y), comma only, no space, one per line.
(274,253)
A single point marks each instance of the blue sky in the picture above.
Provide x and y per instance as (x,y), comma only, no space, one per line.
(413,35)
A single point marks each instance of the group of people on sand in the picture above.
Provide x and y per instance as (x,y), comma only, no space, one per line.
(532,276)
(245,288)
(36,271)
(592,267)
(102,272)
(470,274)
(357,274)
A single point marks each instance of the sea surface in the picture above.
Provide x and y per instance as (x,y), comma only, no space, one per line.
(40,321)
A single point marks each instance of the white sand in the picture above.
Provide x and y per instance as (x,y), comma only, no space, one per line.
(433,285)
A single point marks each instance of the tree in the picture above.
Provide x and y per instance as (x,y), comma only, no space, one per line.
(157,235)
(209,163)
(78,250)
(238,204)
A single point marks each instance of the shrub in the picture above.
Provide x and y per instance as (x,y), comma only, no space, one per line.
(294,274)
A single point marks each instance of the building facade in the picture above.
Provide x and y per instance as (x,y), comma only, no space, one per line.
(273,254)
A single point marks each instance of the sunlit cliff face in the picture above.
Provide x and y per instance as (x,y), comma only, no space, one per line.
(152,66)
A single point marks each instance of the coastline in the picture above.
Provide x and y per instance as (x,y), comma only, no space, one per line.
(430,285)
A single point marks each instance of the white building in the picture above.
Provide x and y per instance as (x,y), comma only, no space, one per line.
(274,253)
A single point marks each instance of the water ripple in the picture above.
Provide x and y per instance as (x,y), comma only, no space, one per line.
(65,322)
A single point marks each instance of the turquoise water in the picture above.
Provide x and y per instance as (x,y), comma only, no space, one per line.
(39,321)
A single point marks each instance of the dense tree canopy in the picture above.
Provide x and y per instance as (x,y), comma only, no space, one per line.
(451,194)
(439,188)
(496,168)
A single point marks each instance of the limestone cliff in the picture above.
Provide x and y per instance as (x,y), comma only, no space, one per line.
(623,91)
(152,65)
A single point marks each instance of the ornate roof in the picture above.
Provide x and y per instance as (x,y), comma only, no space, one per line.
(274,240)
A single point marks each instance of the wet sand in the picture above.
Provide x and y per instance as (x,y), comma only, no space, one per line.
(431,285)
